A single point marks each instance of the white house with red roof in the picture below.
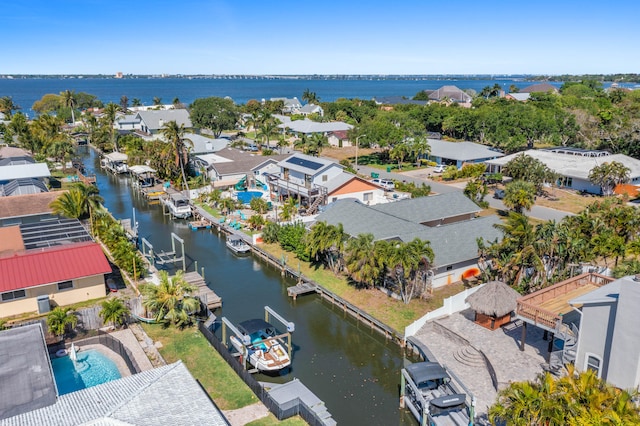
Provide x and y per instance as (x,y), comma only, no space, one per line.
(62,274)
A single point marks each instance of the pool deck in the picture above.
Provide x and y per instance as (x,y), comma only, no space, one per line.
(129,340)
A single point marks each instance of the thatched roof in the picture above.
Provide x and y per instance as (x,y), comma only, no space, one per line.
(495,298)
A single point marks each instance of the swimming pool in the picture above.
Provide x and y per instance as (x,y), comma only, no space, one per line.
(91,368)
(246,196)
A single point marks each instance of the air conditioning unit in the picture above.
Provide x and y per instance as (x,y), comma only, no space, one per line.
(43,304)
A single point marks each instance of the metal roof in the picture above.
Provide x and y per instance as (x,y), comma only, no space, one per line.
(45,266)
(576,166)
(461,151)
(116,156)
(140,169)
(26,378)
(307,126)
(24,171)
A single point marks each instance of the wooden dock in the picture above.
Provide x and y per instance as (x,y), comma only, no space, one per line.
(206,295)
(301,288)
(199,224)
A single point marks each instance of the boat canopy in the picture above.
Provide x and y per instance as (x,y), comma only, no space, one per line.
(116,156)
(141,169)
(448,401)
(422,372)
(254,325)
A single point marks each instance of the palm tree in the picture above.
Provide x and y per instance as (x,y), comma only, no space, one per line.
(174,134)
(59,320)
(310,97)
(327,241)
(361,260)
(289,209)
(259,205)
(608,175)
(157,101)
(268,129)
(114,311)
(77,202)
(408,264)
(61,150)
(110,111)
(136,102)
(172,300)
(124,103)
(256,221)
(69,100)
(7,106)
(228,205)
(519,195)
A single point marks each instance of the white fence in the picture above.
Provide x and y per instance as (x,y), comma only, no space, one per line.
(451,305)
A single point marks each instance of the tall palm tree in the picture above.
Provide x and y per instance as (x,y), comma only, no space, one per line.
(519,195)
(136,102)
(110,111)
(327,241)
(608,175)
(408,264)
(124,103)
(157,101)
(172,300)
(69,101)
(59,320)
(78,202)
(174,135)
(267,129)
(114,311)
(310,97)
(61,150)
(364,266)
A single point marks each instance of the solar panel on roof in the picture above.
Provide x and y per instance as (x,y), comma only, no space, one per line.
(53,232)
(304,163)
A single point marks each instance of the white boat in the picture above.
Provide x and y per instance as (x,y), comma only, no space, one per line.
(115,162)
(237,245)
(261,346)
(178,205)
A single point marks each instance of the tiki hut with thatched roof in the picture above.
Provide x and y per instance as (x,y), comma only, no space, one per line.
(493,304)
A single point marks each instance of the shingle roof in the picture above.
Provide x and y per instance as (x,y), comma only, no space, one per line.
(451,92)
(540,87)
(397,100)
(9,151)
(27,205)
(306,163)
(426,209)
(56,264)
(231,161)
(310,108)
(520,96)
(451,243)
(202,144)
(461,151)
(167,395)
(152,118)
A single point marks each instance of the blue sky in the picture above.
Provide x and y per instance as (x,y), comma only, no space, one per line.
(324,37)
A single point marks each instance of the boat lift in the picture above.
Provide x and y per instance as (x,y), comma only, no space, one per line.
(246,340)
(165,257)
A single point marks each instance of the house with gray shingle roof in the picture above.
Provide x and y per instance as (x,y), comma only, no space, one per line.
(540,88)
(448,223)
(311,109)
(459,153)
(226,167)
(151,122)
(167,395)
(308,127)
(291,105)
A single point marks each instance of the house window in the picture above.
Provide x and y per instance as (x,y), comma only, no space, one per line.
(367,196)
(593,363)
(325,178)
(65,285)
(12,295)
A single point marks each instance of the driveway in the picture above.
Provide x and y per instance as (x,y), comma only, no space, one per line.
(421,176)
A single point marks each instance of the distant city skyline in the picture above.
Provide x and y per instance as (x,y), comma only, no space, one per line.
(293,38)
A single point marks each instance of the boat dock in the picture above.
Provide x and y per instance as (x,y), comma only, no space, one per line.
(301,288)
(206,295)
(287,393)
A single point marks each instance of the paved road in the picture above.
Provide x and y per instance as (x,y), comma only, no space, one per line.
(423,176)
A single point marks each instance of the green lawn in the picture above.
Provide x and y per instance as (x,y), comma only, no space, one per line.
(205,364)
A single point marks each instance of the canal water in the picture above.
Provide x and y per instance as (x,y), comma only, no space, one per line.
(353,369)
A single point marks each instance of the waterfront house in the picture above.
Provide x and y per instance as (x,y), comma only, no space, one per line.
(573,165)
(22,175)
(129,122)
(447,221)
(609,338)
(308,127)
(151,122)
(540,88)
(228,166)
(460,153)
(33,280)
(30,397)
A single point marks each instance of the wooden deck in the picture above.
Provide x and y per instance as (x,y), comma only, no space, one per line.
(208,296)
(301,288)
(544,308)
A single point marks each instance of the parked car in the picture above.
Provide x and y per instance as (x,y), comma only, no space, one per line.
(251,147)
(498,194)
(439,168)
(387,184)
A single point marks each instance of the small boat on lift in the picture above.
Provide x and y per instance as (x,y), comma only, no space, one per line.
(261,346)
(177,204)
(238,245)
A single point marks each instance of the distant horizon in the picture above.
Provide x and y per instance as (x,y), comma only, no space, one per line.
(490,76)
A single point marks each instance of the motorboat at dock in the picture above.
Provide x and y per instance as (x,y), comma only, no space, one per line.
(177,204)
(261,346)
(237,245)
